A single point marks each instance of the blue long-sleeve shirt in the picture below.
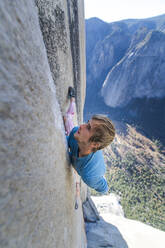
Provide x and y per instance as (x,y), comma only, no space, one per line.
(91,168)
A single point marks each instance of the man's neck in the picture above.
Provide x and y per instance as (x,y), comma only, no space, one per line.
(83,150)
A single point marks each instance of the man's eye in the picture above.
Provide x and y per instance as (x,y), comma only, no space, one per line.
(88,127)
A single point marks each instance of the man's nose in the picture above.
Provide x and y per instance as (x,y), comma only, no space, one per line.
(82,125)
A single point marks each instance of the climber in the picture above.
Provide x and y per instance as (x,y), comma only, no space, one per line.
(85,143)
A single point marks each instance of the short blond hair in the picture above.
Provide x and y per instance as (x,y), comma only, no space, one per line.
(104,133)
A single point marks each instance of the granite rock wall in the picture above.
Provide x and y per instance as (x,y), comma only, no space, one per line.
(37,184)
(62,25)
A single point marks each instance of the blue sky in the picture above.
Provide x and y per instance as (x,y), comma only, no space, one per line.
(114,10)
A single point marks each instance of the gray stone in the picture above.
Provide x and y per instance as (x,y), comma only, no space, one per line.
(103,234)
(90,211)
(62,25)
(37,185)
(99,232)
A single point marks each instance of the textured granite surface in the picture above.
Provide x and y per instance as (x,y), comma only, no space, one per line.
(37,185)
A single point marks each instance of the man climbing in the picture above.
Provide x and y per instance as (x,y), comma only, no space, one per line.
(85,143)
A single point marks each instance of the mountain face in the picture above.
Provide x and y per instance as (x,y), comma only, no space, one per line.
(108,52)
(141,72)
(126,72)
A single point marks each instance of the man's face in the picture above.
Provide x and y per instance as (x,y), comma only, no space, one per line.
(85,131)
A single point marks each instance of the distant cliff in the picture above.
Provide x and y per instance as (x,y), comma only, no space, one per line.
(126,72)
(139,74)
(37,184)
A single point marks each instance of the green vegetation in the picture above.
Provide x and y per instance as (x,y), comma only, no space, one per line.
(141,190)
(136,172)
(158,144)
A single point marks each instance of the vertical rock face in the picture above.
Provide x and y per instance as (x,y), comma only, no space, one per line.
(62,25)
(37,185)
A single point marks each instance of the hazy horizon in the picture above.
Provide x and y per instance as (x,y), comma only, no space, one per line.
(117,10)
(125,19)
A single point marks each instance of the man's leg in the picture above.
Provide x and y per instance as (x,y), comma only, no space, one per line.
(68,118)
(71,108)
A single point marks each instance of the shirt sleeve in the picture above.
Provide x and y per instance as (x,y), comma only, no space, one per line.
(70,138)
(99,184)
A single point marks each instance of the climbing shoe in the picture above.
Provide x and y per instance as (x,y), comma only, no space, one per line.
(71,92)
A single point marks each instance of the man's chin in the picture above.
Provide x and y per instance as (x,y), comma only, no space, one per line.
(76,135)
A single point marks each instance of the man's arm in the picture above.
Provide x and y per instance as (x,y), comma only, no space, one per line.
(99,184)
